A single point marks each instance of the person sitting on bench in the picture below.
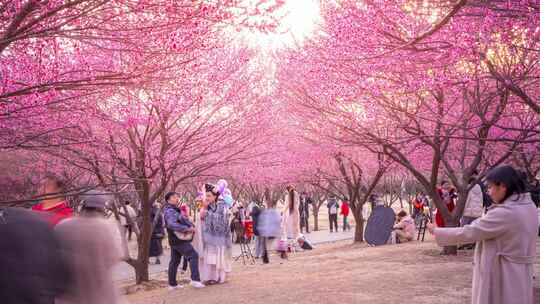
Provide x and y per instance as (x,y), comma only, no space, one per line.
(404,228)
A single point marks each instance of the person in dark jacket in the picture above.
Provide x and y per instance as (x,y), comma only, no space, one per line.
(255,212)
(33,269)
(333,209)
(158,233)
(305,201)
(176,222)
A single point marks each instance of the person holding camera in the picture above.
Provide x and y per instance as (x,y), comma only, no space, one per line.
(180,231)
(505,239)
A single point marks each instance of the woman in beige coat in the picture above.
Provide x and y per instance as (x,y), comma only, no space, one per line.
(506,242)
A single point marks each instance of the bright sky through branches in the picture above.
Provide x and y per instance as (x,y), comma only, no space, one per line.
(296,21)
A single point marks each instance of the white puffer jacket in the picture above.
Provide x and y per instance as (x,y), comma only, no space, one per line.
(474,204)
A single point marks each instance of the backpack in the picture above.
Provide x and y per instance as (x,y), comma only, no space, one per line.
(333,206)
(486,199)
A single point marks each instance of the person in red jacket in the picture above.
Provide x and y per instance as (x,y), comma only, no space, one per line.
(448,195)
(345,212)
(53,205)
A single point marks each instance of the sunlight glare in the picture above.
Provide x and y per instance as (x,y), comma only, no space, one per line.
(297,20)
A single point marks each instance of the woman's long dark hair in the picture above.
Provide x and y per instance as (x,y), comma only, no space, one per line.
(290,189)
(509,177)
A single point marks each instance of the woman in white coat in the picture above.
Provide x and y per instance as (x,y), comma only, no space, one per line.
(291,214)
(506,242)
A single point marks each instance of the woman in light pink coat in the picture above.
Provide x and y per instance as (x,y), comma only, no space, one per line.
(506,242)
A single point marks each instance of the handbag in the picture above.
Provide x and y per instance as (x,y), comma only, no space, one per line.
(184,236)
(282,245)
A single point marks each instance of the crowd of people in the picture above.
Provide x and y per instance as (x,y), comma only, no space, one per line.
(204,241)
(499,220)
(51,256)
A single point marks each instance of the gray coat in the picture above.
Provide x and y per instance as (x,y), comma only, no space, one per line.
(92,248)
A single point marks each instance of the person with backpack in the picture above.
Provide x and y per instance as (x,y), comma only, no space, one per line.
(333,208)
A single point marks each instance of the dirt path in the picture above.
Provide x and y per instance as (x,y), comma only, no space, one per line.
(340,273)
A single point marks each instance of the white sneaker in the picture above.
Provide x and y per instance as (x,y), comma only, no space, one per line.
(175,287)
(197,284)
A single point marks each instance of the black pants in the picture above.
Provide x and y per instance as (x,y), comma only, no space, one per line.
(304,223)
(184,263)
(129,231)
(333,222)
(346,225)
(189,253)
(265,255)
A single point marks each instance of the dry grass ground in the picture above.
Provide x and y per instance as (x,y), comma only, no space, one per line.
(339,273)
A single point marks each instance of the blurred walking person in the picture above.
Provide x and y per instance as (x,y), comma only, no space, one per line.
(91,245)
(32,267)
(269,228)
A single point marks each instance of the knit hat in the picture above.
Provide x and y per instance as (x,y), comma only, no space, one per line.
(95,199)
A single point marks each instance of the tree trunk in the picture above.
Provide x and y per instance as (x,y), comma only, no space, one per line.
(359,229)
(316,220)
(143,242)
(450,250)
(141,273)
